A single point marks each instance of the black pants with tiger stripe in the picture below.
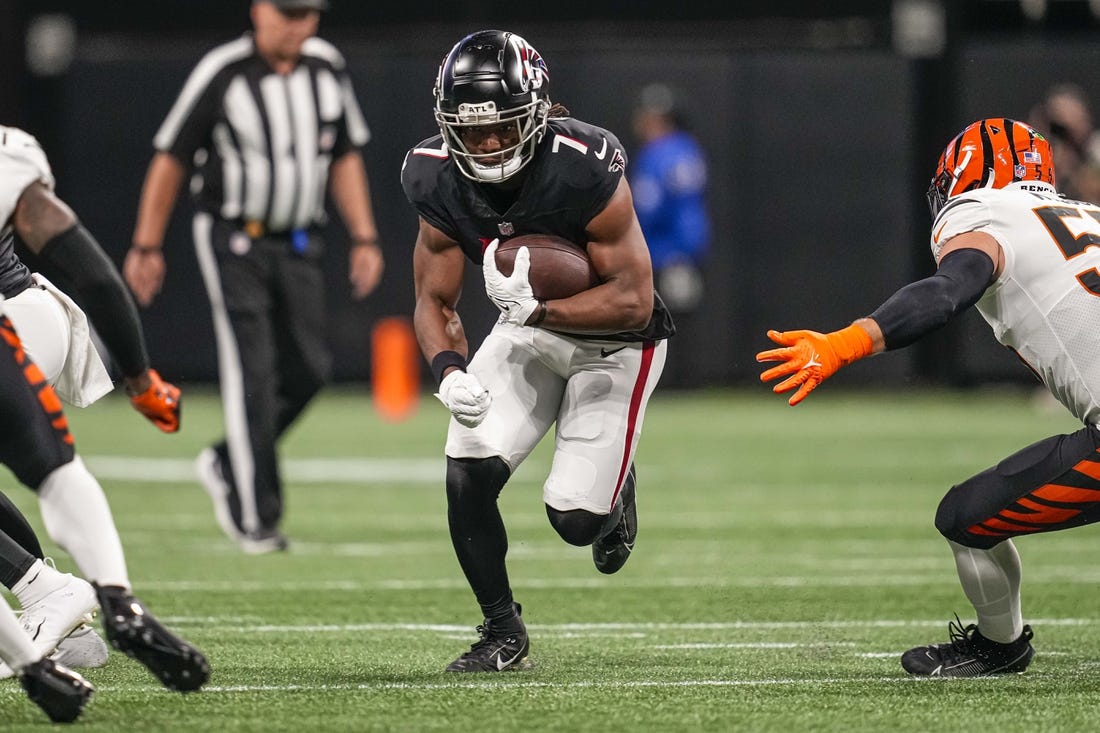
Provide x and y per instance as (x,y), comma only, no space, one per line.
(268,307)
(34,442)
(34,433)
(1050,485)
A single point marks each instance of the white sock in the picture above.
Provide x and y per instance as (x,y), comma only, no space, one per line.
(78,518)
(15,646)
(38,582)
(991,580)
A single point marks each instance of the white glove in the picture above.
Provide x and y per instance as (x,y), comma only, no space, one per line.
(511,294)
(464,396)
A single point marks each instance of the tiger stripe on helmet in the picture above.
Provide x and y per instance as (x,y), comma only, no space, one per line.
(987,153)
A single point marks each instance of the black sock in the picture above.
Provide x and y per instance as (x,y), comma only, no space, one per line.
(477,530)
(15,525)
(502,612)
(15,561)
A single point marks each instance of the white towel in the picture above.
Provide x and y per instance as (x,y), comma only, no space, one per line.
(84,379)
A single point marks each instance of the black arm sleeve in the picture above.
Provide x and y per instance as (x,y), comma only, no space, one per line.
(921,307)
(78,257)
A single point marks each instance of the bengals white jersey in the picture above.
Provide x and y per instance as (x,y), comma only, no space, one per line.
(1046,303)
(22,162)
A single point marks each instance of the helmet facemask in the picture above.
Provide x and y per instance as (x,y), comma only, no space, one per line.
(524,125)
(943,185)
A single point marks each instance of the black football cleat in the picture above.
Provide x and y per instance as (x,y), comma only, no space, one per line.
(969,654)
(59,691)
(263,542)
(135,632)
(503,645)
(611,551)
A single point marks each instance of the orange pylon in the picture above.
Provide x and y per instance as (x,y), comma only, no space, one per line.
(395,368)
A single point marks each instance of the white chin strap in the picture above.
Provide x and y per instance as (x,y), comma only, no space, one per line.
(496,173)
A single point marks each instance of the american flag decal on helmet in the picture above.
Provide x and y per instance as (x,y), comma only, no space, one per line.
(1030,156)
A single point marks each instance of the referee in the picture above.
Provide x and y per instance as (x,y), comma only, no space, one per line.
(265,123)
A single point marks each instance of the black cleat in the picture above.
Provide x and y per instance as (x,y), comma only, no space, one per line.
(136,633)
(503,645)
(59,691)
(969,654)
(611,551)
(263,542)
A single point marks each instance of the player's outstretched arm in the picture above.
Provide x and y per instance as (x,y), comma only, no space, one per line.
(51,230)
(809,358)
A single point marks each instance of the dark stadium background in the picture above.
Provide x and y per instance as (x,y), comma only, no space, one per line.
(822,121)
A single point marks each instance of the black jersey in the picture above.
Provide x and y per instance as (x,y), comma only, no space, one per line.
(575,170)
(14,275)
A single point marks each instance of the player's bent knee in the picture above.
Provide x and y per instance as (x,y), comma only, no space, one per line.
(576,526)
(955,523)
(475,479)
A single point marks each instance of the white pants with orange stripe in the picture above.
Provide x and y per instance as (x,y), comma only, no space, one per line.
(596,392)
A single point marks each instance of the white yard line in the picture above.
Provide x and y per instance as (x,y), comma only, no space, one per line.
(511,683)
(757,645)
(311,470)
(234,625)
(395,584)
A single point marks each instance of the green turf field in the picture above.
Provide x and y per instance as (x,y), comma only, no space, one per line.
(786,558)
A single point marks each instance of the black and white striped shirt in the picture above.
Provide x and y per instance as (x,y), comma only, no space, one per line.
(260,142)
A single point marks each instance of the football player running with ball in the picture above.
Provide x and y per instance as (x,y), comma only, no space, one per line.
(509,162)
(1005,240)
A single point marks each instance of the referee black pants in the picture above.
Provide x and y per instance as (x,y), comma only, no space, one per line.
(268,307)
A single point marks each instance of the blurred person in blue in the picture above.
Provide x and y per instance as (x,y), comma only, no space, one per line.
(669,182)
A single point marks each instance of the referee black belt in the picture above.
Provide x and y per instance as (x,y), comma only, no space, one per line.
(257,229)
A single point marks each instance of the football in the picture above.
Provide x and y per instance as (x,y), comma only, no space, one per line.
(559,268)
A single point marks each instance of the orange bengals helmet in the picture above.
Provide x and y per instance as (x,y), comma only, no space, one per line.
(990,154)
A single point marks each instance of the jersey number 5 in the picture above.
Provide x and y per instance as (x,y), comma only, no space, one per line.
(1059,220)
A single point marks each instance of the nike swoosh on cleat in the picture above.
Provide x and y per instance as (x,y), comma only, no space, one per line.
(501,663)
(38,630)
(629,548)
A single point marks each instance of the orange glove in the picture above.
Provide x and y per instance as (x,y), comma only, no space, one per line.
(812,357)
(160,403)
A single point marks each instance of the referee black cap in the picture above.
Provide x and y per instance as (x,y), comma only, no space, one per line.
(295,4)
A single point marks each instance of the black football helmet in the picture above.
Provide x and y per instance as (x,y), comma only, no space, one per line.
(491,78)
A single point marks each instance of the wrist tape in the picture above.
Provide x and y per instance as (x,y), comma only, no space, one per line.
(444,360)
